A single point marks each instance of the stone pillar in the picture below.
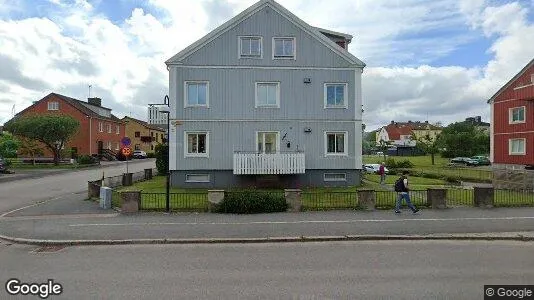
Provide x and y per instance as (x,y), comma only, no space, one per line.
(148,174)
(93,189)
(130,201)
(214,199)
(436,198)
(367,199)
(483,196)
(127,179)
(293,199)
(105,197)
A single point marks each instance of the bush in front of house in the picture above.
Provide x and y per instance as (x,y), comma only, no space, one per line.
(251,202)
(151,155)
(162,158)
(86,160)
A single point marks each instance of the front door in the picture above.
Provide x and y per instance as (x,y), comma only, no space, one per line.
(267,142)
(100,147)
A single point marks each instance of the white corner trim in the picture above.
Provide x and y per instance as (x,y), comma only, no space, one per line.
(345,95)
(186,144)
(186,104)
(257,105)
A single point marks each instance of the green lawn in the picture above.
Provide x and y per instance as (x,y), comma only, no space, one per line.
(418,161)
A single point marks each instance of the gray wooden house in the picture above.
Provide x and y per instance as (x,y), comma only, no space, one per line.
(266,99)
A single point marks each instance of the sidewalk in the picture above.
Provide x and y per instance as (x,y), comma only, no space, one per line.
(96,226)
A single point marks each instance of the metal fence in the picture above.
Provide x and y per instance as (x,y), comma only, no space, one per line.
(513,198)
(190,201)
(387,199)
(329,200)
(463,174)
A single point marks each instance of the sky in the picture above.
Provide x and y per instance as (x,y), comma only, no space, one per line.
(435,60)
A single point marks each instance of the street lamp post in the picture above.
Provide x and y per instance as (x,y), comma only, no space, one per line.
(168,180)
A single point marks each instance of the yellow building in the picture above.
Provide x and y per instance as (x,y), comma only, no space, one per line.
(422,129)
(144,136)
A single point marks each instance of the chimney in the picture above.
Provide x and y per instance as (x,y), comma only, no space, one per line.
(95,101)
(392,122)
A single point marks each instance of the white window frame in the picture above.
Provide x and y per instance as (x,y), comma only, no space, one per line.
(186,144)
(532,78)
(118,129)
(345,143)
(294,57)
(109,128)
(510,143)
(198,181)
(100,127)
(511,114)
(244,56)
(334,179)
(186,100)
(257,105)
(108,146)
(53,105)
(277,141)
(345,95)
(117,146)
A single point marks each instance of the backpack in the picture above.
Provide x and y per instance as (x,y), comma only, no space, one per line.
(399,184)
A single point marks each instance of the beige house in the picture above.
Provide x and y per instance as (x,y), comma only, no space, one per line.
(400,133)
(144,136)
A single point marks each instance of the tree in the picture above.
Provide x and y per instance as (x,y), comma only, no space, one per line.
(162,158)
(30,147)
(8,145)
(464,139)
(428,144)
(384,146)
(54,131)
(369,142)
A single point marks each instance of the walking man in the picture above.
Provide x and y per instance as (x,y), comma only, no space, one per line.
(382,173)
(401,187)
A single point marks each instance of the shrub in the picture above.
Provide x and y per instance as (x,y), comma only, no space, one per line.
(251,202)
(452,179)
(162,158)
(86,160)
(391,163)
(407,164)
(151,155)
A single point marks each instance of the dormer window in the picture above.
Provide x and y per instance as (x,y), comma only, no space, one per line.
(250,47)
(53,105)
(284,48)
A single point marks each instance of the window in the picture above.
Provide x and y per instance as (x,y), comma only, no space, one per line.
(531,78)
(137,147)
(118,129)
(335,177)
(268,94)
(117,146)
(250,47)
(152,134)
(196,93)
(335,95)
(197,178)
(151,146)
(109,127)
(53,105)
(516,146)
(137,134)
(517,115)
(267,142)
(336,143)
(284,48)
(108,146)
(100,127)
(197,144)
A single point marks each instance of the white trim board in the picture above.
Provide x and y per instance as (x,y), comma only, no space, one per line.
(231,67)
(273,120)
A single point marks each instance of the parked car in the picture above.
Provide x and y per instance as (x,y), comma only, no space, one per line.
(479,160)
(460,160)
(139,154)
(373,168)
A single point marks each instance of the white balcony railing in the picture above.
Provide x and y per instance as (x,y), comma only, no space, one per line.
(269,163)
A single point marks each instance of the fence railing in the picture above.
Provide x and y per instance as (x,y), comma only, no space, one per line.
(387,199)
(190,201)
(329,200)
(463,173)
(513,198)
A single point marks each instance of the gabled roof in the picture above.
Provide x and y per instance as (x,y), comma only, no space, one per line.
(335,33)
(314,32)
(143,123)
(509,83)
(76,104)
(395,131)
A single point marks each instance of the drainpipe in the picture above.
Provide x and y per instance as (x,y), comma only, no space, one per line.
(90,136)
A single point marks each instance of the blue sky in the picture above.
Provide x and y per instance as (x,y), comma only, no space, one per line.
(452,52)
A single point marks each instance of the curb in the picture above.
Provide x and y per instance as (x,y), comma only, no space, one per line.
(471,237)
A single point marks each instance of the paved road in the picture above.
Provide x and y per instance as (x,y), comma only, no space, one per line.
(349,270)
(19,193)
(334,223)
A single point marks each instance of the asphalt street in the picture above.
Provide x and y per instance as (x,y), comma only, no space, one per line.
(336,270)
(23,192)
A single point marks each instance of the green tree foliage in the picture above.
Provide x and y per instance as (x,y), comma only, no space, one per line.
(162,158)
(8,145)
(383,146)
(369,142)
(464,139)
(30,147)
(53,130)
(428,145)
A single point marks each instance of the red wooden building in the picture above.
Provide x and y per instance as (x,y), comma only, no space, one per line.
(100,132)
(512,121)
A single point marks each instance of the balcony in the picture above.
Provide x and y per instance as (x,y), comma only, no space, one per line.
(269,163)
